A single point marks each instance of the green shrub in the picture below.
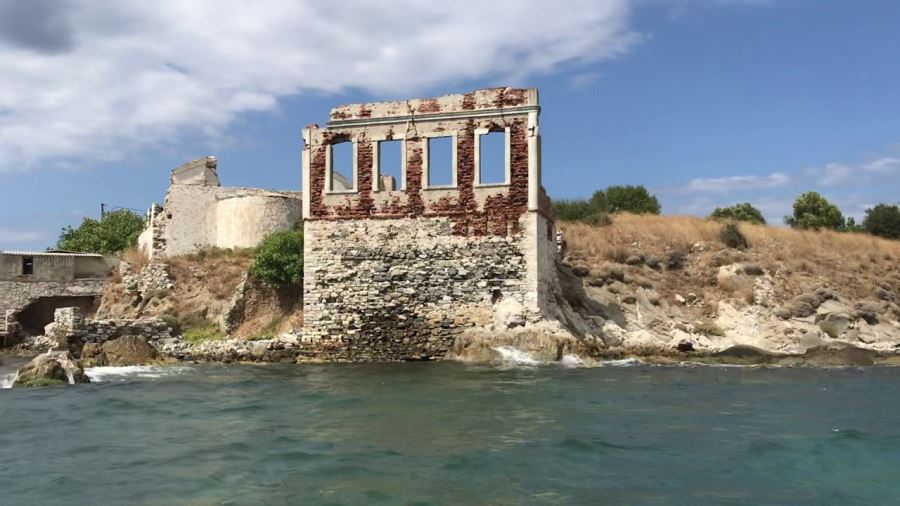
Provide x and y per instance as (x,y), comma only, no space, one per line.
(207,331)
(172,323)
(883,220)
(115,232)
(278,260)
(572,209)
(615,199)
(676,259)
(813,211)
(732,236)
(740,212)
(630,199)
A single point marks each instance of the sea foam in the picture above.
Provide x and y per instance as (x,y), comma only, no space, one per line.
(124,373)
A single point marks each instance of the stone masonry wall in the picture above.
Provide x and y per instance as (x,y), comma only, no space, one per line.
(403,289)
(17,295)
(199,213)
(400,274)
(70,326)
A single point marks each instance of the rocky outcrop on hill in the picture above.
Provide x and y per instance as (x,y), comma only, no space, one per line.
(705,299)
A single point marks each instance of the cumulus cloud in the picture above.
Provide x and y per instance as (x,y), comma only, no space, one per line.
(82,80)
(737,183)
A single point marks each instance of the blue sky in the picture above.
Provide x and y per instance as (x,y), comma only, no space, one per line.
(705,102)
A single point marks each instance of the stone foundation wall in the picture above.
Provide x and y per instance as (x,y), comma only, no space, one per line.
(404,289)
(70,326)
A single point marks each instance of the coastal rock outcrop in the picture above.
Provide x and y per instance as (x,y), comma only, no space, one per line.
(126,350)
(51,368)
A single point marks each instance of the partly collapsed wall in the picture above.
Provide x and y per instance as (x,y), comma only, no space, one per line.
(397,272)
(33,284)
(199,213)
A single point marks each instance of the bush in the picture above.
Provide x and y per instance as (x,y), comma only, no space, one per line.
(732,236)
(572,210)
(115,232)
(615,199)
(739,212)
(812,210)
(630,199)
(883,220)
(278,260)
(203,331)
(172,323)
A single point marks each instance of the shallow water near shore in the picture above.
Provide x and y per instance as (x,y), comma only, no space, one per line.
(447,433)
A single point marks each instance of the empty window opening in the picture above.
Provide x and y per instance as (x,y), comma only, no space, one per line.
(440,161)
(492,158)
(342,167)
(27,266)
(390,165)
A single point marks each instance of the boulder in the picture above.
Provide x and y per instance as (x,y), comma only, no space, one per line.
(51,368)
(836,356)
(684,346)
(834,318)
(581,270)
(126,350)
(509,313)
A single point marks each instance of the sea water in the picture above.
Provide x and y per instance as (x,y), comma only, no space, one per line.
(446,433)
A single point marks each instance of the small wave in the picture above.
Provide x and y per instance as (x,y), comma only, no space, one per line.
(7,380)
(124,373)
(622,362)
(572,361)
(516,356)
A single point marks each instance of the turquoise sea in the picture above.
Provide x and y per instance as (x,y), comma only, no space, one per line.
(446,433)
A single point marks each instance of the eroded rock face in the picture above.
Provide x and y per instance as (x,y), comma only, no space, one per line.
(126,350)
(51,368)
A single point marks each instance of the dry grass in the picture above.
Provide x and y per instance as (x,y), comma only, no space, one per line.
(136,257)
(220,270)
(799,260)
(649,234)
(653,234)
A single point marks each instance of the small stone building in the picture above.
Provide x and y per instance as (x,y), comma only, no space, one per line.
(403,252)
(33,284)
(200,213)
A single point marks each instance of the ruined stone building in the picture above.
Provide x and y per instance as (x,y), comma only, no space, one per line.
(414,230)
(200,213)
(34,284)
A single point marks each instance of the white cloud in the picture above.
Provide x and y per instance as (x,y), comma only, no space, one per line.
(867,173)
(737,183)
(10,236)
(83,80)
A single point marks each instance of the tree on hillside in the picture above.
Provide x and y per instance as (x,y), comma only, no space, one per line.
(740,212)
(629,199)
(115,232)
(279,259)
(883,220)
(814,211)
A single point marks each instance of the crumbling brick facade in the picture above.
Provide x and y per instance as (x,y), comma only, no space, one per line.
(398,273)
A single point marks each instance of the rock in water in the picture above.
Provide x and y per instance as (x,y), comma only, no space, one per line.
(126,350)
(51,368)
